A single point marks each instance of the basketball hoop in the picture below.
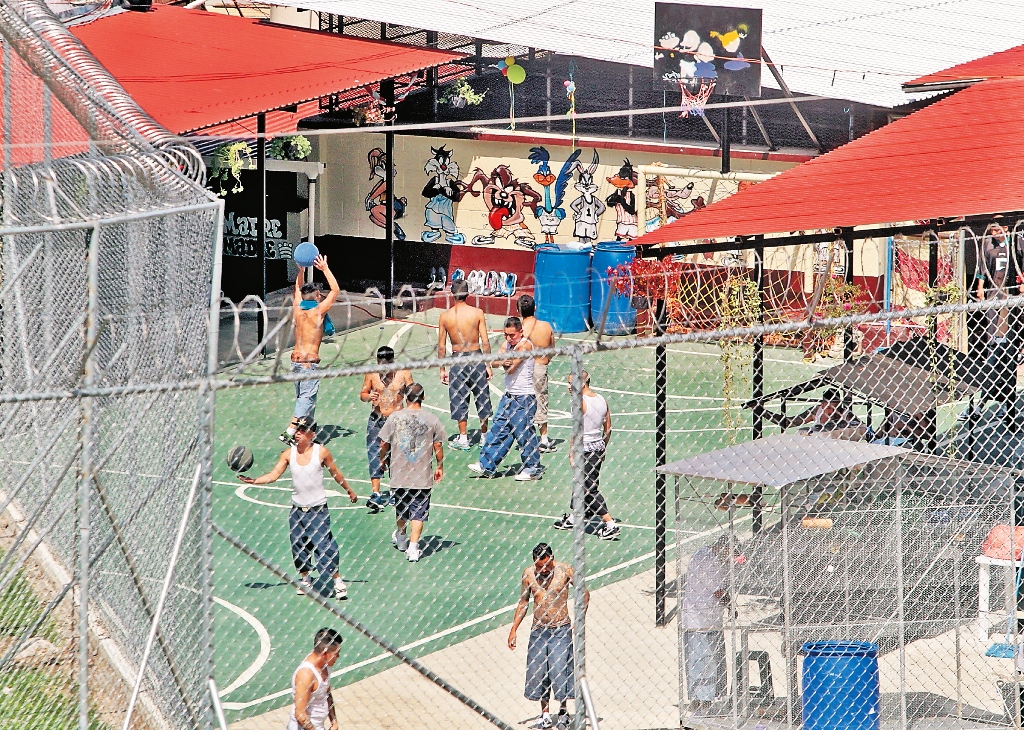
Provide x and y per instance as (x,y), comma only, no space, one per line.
(696,93)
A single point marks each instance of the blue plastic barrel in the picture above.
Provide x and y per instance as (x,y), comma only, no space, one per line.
(621,317)
(562,287)
(840,686)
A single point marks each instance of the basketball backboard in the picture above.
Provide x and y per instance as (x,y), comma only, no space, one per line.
(701,42)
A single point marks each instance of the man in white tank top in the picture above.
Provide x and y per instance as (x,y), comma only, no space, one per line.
(309,522)
(597,431)
(516,410)
(312,704)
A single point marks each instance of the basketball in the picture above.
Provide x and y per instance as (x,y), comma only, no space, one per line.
(305,254)
(239,459)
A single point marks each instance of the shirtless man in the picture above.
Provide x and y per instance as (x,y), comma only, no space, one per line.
(549,656)
(538,332)
(309,330)
(386,392)
(465,326)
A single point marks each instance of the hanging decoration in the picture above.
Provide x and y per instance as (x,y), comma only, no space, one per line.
(516,75)
(570,93)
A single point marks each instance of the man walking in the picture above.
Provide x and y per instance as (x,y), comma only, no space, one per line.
(384,391)
(309,309)
(515,410)
(413,438)
(540,334)
(597,431)
(309,522)
(465,326)
(549,656)
(704,597)
(312,704)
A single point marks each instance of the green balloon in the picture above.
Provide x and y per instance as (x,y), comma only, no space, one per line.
(516,74)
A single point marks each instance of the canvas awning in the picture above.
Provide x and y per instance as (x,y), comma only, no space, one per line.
(780,460)
(193,70)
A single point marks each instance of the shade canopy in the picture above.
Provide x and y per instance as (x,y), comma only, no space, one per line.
(192,70)
(781,459)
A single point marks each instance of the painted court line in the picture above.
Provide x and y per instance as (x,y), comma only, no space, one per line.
(393,342)
(261,658)
(649,395)
(651,430)
(478,620)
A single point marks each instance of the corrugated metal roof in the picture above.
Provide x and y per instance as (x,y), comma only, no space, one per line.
(860,51)
(781,459)
(1002,65)
(961,156)
(191,69)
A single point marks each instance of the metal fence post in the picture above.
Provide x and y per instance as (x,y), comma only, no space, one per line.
(88,440)
(578,536)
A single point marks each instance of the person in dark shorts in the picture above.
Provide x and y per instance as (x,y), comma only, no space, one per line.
(384,391)
(549,656)
(465,327)
(412,436)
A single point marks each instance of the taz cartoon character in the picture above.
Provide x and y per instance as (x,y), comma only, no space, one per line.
(586,209)
(376,199)
(505,198)
(624,202)
(551,214)
(442,191)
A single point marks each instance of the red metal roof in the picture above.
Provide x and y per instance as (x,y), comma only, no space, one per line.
(191,69)
(963,155)
(1005,64)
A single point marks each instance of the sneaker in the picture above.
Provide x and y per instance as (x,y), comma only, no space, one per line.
(546,447)
(461,443)
(563,719)
(478,468)
(304,582)
(375,503)
(413,553)
(542,723)
(340,590)
(607,531)
(400,540)
(565,522)
(286,438)
(391,498)
(526,475)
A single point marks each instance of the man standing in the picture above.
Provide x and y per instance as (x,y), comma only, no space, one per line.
(466,327)
(416,436)
(597,431)
(540,334)
(515,410)
(549,656)
(309,330)
(312,704)
(309,522)
(704,597)
(385,392)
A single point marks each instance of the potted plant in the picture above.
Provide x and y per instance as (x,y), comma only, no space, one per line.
(228,162)
(838,299)
(461,95)
(295,148)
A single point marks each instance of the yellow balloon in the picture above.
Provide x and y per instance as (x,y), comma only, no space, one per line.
(510,61)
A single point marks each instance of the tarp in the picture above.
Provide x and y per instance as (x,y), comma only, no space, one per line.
(191,69)
(781,459)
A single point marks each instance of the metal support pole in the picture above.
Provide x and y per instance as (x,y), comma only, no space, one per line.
(789,95)
(629,102)
(261,217)
(85,479)
(901,633)
(389,222)
(788,655)
(579,533)
(680,643)
(757,381)
(725,141)
(660,455)
(849,343)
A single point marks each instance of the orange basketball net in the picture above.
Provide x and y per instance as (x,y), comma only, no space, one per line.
(696,93)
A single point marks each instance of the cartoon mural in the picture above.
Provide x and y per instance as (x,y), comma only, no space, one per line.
(587,208)
(665,202)
(442,191)
(624,202)
(505,198)
(551,214)
(376,199)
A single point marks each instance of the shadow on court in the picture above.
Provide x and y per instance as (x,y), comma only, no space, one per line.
(430,544)
(330,432)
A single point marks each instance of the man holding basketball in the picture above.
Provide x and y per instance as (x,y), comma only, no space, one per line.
(309,330)
(309,522)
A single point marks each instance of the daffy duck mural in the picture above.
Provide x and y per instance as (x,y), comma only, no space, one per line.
(624,202)
(551,214)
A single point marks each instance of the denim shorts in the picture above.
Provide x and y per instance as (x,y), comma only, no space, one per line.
(411,504)
(549,664)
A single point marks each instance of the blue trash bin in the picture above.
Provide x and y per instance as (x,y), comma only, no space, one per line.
(840,686)
(562,287)
(620,318)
